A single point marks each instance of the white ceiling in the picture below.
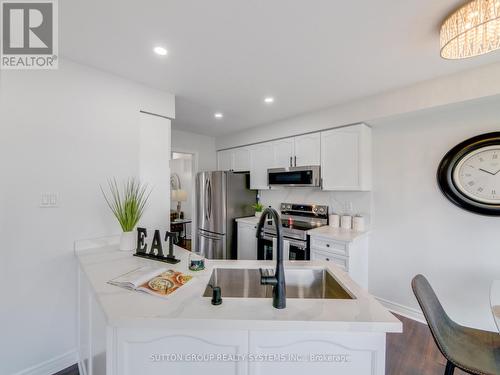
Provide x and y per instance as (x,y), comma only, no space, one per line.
(227,55)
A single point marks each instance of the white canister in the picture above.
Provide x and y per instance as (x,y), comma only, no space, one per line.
(346,222)
(358,223)
(334,221)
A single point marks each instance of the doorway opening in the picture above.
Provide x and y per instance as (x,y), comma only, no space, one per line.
(181,200)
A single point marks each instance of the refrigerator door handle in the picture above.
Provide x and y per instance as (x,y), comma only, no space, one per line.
(206,199)
(211,245)
(209,200)
(205,235)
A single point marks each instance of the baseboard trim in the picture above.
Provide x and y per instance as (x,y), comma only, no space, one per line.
(53,365)
(407,312)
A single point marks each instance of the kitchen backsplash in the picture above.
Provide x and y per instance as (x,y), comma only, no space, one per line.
(337,201)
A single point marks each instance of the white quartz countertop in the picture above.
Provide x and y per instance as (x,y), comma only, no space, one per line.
(187,308)
(345,235)
(252,220)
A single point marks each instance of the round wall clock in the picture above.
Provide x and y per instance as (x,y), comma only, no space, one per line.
(469,174)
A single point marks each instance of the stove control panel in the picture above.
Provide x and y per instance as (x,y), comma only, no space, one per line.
(304,209)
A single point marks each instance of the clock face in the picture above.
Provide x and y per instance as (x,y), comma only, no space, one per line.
(477,175)
(469,174)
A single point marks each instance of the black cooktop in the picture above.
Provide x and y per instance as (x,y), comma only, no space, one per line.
(300,225)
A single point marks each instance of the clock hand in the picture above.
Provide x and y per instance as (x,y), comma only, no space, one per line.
(481,169)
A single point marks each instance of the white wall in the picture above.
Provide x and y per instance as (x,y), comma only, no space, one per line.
(154,170)
(202,146)
(416,229)
(63,131)
(459,87)
(204,159)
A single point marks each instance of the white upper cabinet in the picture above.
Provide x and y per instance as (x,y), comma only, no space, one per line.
(236,159)
(307,150)
(283,152)
(346,158)
(225,160)
(241,159)
(261,159)
(298,151)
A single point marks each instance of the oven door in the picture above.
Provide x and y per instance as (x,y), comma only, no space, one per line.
(266,247)
(292,249)
(296,250)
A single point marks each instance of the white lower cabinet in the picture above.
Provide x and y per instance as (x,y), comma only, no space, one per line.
(154,352)
(247,241)
(92,337)
(133,351)
(339,260)
(352,257)
(318,353)
(330,245)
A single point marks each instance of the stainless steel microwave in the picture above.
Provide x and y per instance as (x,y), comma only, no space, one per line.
(295,176)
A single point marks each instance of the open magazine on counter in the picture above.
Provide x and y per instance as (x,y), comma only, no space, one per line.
(158,281)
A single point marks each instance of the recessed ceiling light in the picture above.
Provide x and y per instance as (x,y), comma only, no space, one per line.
(269,100)
(160,51)
(218,115)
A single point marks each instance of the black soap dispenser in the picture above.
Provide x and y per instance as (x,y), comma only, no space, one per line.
(216,295)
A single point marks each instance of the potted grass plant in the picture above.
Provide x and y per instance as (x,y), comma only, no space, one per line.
(258,209)
(127,204)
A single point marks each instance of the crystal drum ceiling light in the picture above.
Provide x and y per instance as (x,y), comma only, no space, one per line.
(472,30)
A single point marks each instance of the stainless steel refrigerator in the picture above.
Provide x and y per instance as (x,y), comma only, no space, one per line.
(221,197)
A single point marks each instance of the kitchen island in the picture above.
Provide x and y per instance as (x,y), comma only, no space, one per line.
(124,332)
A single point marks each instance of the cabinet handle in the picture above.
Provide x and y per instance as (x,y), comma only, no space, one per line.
(295,157)
(327,245)
(290,161)
(327,259)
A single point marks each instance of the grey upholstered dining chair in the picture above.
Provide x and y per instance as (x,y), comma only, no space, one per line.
(471,350)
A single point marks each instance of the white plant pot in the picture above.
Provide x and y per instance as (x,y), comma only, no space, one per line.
(258,214)
(128,241)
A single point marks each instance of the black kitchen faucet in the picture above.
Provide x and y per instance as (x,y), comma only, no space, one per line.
(278,279)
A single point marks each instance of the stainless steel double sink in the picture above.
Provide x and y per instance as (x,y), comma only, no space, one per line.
(310,283)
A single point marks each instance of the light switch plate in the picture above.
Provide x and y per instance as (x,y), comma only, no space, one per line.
(48,200)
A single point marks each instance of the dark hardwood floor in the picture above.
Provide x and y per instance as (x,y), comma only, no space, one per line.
(412,352)
(185,244)
(73,370)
